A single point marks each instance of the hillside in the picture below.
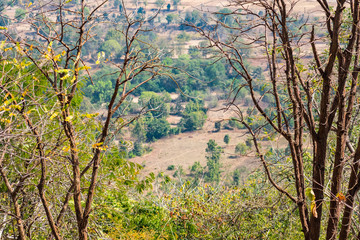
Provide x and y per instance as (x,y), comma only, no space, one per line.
(179,119)
(187,148)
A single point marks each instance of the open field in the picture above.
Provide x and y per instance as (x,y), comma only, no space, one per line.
(187,148)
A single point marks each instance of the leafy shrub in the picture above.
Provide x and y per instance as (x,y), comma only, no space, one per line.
(170,167)
(217,126)
(231,124)
(179,172)
(195,106)
(157,128)
(227,139)
(156,103)
(193,121)
(241,149)
(213,161)
(175,131)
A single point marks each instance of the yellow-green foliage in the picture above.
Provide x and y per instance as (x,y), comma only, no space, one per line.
(251,211)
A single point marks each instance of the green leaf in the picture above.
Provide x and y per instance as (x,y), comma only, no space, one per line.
(310,194)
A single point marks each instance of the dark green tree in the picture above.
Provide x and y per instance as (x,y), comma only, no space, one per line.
(197,172)
(156,103)
(170,18)
(111,48)
(213,151)
(138,149)
(249,143)
(139,131)
(193,121)
(217,126)
(227,139)
(157,128)
(113,34)
(236,177)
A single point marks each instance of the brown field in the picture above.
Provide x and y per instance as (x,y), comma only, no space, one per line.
(186,148)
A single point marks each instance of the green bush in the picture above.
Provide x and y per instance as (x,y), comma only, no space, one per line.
(227,139)
(241,149)
(157,128)
(213,151)
(170,167)
(217,126)
(20,14)
(175,131)
(193,121)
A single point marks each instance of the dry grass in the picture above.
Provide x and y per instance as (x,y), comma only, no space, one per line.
(187,148)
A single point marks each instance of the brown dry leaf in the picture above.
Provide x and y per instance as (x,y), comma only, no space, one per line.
(313,209)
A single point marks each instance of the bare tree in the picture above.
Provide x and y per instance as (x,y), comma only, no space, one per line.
(45,141)
(313,100)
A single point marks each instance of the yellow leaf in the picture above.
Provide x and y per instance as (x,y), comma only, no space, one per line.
(2,45)
(103,148)
(30,3)
(3,28)
(66,149)
(310,194)
(97,62)
(68,118)
(18,48)
(54,115)
(24,93)
(49,47)
(57,58)
(92,115)
(65,77)
(73,79)
(84,68)
(28,112)
(96,145)
(15,107)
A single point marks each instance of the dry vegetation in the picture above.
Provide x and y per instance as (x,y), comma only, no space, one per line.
(186,148)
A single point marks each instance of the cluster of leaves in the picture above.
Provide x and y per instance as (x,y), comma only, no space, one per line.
(30,111)
(186,211)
